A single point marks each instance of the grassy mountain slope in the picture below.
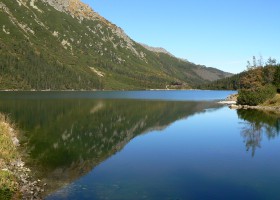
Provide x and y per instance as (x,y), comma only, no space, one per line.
(64,44)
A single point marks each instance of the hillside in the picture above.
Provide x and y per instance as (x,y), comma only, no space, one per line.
(64,44)
(257,86)
(257,76)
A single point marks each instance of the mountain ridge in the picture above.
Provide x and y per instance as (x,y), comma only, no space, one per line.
(157,49)
(65,44)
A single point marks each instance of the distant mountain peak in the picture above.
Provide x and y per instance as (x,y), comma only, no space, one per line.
(75,8)
(156,49)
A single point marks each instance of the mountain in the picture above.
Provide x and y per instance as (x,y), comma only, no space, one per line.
(64,44)
(206,73)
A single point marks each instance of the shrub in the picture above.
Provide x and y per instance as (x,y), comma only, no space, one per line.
(276,80)
(253,97)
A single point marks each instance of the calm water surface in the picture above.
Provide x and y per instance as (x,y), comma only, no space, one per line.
(132,145)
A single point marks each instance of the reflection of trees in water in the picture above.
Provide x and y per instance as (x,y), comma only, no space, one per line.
(252,134)
(258,123)
(65,139)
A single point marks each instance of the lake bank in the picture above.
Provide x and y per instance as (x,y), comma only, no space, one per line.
(16,181)
(271,105)
(274,109)
(107,90)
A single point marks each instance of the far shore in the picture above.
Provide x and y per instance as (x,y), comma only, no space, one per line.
(103,90)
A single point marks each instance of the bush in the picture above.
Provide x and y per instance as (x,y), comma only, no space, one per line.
(276,80)
(253,97)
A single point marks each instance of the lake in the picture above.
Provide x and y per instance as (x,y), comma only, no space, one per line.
(158,145)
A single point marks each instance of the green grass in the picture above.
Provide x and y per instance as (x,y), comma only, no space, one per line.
(8,185)
(8,153)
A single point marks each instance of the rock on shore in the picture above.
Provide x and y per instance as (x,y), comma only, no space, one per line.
(231,101)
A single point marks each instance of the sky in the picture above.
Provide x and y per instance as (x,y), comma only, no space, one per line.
(216,33)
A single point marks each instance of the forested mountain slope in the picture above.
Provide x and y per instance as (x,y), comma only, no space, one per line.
(64,44)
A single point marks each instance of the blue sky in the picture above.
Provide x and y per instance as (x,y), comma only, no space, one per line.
(216,33)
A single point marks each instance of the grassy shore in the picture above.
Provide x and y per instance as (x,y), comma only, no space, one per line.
(275,101)
(9,186)
(271,105)
(16,180)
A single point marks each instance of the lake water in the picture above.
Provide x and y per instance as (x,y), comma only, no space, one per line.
(146,145)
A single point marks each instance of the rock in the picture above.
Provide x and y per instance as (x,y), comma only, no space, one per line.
(245,107)
(15,141)
(234,106)
(227,102)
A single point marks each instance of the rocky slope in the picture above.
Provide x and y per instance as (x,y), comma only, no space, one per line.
(157,49)
(64,44)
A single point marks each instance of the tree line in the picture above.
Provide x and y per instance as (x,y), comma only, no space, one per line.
(260,81)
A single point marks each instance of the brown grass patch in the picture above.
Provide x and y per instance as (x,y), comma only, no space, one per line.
(275,101)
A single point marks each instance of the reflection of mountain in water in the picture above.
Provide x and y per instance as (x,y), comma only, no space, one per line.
(67,138)
(258,123)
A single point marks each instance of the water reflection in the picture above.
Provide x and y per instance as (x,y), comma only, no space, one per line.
(258,124)
(66,139)
(193,158)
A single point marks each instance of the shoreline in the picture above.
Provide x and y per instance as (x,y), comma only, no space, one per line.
(231,101)
(104,90)
(275,109)
(16,179)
